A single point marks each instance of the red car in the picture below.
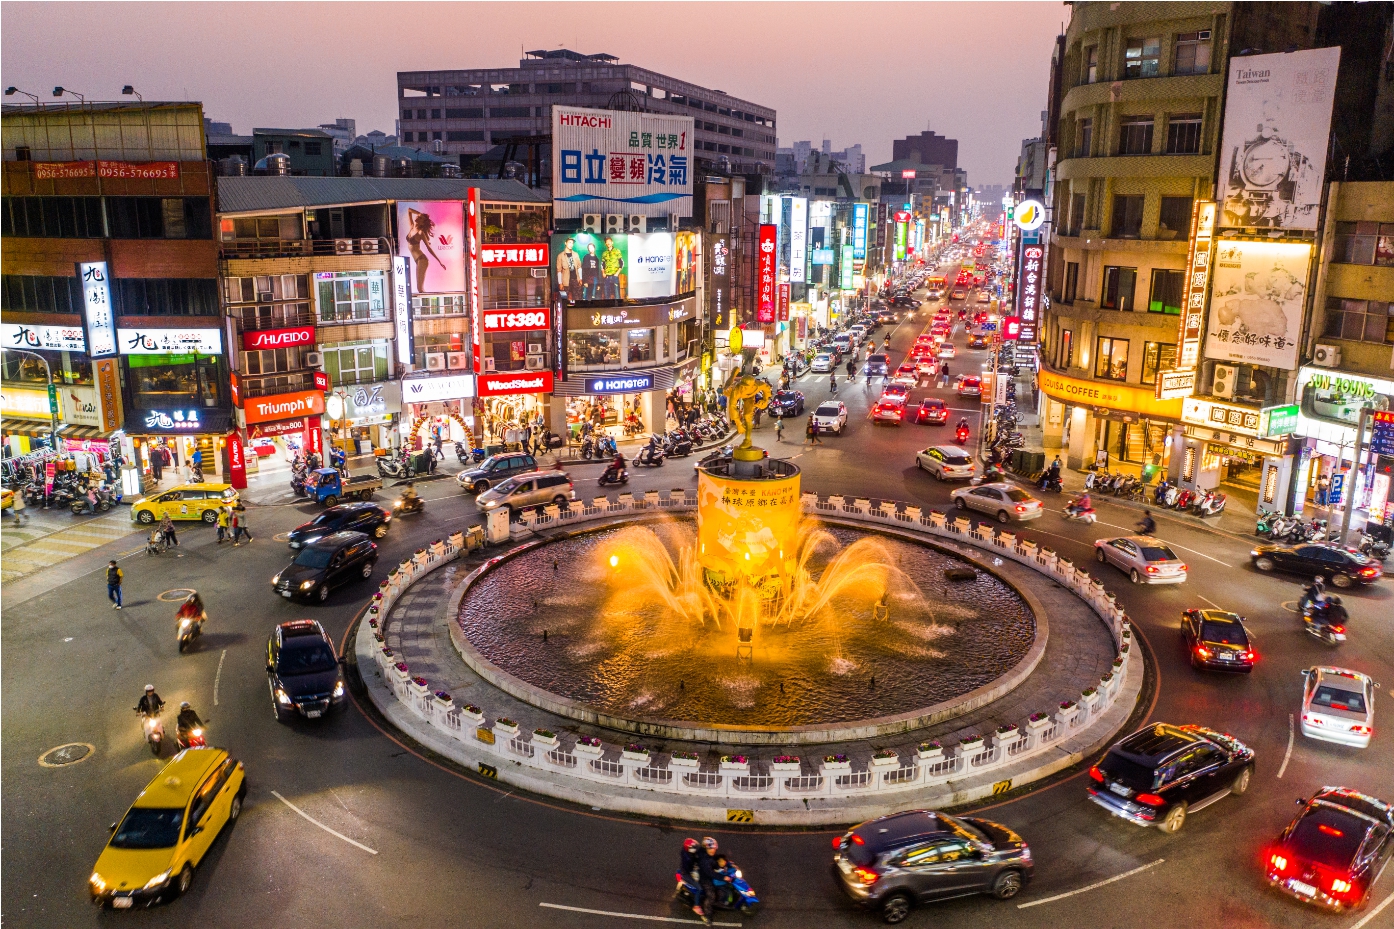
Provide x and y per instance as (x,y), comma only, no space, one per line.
(932,411)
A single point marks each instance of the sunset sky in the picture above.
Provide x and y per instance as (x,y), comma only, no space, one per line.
(850,72)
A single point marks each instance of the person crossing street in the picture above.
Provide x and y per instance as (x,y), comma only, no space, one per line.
(113,583)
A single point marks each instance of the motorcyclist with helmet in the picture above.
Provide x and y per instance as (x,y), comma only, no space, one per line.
(187,724)
(150,703)
(1081,506)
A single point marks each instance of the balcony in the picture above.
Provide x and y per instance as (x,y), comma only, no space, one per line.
(271,384)
(272,316)
(303,248)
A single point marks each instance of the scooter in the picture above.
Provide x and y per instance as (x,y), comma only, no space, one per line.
(1073,511)
(614,475)
(462,453)
(732,891)
(154,732)
(1171,496)
(1372,547)
(1213,504)
(651,456)
(1265,523)
(394,467)
(297,482)
(1183,501)
(189,629)
(190,738)
(1051,484)
(961,435)
(1328,632)
(404,506)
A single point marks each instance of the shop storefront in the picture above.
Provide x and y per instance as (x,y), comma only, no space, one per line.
(364,417)
(1117,426)
(279,427)
(176,394)
(1329,409)
(181,432)
(432,406)
(510,400)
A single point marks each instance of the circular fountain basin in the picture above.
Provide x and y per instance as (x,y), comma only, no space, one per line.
(614,657)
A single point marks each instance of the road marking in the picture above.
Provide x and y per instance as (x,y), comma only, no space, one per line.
(1213,603)
(652,919)
(1287,754)
(322,825)
(1173,545)
(1373,913)
(1093,886)
(218,677)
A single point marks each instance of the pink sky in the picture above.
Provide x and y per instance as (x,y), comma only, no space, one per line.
(850,72)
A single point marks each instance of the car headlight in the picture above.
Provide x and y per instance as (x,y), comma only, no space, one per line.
(282,697)
(276,579)
(97,883)
(158,880)
(339,689)
(306,585)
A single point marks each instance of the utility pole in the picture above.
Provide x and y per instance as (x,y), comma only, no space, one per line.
(52,393)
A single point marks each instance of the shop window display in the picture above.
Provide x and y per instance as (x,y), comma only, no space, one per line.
(593,348)
(173,381)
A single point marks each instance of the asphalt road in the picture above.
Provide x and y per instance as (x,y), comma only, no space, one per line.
(443,848)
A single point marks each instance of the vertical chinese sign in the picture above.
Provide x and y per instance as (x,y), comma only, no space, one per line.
(98,315)
(1198,261)
(768,251)
(472,257)
(719,295)
(783,314)
(1028,297)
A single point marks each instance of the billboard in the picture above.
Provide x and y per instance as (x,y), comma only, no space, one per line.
(1030,289)
(1276,131)
(432,234)
(798,240)
(609,161)
(719,301)
(1256,302)
(1198,263)
(98,315)
(901,229)
(767,257)
(592,266)
(859,218)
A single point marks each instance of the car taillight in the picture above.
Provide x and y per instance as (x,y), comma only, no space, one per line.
(1151,569)
(1020,508)
(1339,886)
(1341,629)
(866,875)
(1096,774)
(1371,571)
(1280,864)
(1202,651)
(1247,656)
(1150,799)
(1361,729)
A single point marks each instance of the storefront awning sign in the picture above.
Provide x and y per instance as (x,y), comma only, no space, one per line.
(173,420)
(427,389)
(43,338)
(170,341)
(516,382)
(284,406)
(1121,397)
(619,384)
(1203,412)
(1174,385)
(1279,420)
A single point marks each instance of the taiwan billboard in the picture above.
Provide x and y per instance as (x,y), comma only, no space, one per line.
(1276,132)
(608,161)
(1256,297)
(859,218)
(432,234)
(591,266)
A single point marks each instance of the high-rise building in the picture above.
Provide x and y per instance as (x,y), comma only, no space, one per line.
(470,110)
(927,148)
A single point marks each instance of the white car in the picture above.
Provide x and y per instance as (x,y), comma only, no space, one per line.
(1338,706)
(946,349)
(946,462)
(831,416)
(1145,559)
(1005,501)
(984,297)
(822,363)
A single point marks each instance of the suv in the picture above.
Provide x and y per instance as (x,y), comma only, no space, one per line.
(494,469)
(902,859)
(535,488)
(326,563)
(302,671)
(831,416)
(1158,775)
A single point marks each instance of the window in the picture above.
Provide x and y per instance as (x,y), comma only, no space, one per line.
(641,345)
(1174,219)
(467,112)
(1142,58)
(163,382)
(1183,134)
(313,148)
(356,362)
(512,287)
(468,135)
(1111,361)
(509,112)
(593,348)
(1359,320)
(1193,52)
(1071,281)
(1127,217)
(1167,287)
(38,294)
(165,297)
(345,296)
(452,305)
(52,217)
(1364,244)
(159,218)
(1067,348)
(1091,64)
(1084,138)
(272,361)
(1135,135)
(1156,356)
(1119,284)
(1076,214)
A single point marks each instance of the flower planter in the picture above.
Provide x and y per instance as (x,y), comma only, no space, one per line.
(1037,722)
(420,687)
(786,767)
(930,752)
(1006,540)
(734,767)
(457,540)
(438,548)
(684,764)
(1006,735)
(642,757)
(1091,701)
(420,556)
(961,524)
(834,766)
(444,701)
(400,672)
(506,728)
(936,519)
(543,737)
(587,750)
(971,746)
(471,714)
(885,761)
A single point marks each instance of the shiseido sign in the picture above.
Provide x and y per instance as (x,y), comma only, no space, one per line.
(265,339)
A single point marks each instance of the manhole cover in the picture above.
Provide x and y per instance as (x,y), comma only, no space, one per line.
(1290,606)
(178,593)
(65,755)
(281,537)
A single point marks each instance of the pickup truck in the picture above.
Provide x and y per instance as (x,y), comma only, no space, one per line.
(327,486)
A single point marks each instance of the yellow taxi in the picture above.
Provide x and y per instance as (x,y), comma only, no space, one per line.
(154,849)
(187,501)
(7,499)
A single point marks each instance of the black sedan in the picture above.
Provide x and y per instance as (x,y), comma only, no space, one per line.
(1334,850)
(325,564)
(1342,568)
(1159,775)
(302,671)
(367,518)
(1217,640)
(787,403)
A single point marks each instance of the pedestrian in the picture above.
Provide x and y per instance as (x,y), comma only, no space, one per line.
(18,508)
(196,460)
(814,430)
(1323,489)
(758,411)
(239,524)
(113,583)
(779,430)
(167,530)
(157,462)
(224,522)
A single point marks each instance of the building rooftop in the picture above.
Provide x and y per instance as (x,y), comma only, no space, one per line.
(263,194)
(569,55)
(311,133)
(398,151)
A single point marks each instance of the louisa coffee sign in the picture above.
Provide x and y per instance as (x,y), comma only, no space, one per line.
(264,339)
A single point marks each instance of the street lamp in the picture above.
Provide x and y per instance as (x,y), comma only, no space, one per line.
(128,90)
(60,91)
(11,91)
(52,407)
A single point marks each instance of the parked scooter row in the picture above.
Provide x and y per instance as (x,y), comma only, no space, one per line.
(1291,529)
(1200,503)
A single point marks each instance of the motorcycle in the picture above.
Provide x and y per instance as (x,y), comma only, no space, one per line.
(588,448)
(651,456)
(732,891)
(394,467)
(1074,511)
(1374,548)
(1183,501)
(154,732)
(1318,626)
(403,506)
(190,738)
(189,629)
(1051,484)
(677,445)
(614,475)
(462,453)
(1212,504)
(99,502)
(1266,522)
(1173,493)
(961,435)
(297,482)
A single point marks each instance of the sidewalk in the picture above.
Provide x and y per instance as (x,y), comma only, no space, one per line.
(53,536)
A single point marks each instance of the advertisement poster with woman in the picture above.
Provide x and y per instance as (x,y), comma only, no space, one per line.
(687,246)
(431,233)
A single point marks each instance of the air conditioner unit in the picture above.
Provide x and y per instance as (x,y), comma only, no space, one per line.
(1225,377)
(458,360)
(264,297)
(538,272)
(368,246)
(488,363)
(637,223)
(343,246)
(534,348)
(435,361)
(1327,356)
(314,359)
(536,362)
(614,222)
(590,222)
(1204,34)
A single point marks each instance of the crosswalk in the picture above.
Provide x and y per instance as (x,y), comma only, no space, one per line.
(49,538)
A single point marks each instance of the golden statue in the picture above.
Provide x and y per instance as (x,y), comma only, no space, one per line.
(745,393)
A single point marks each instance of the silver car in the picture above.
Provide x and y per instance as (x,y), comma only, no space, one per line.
(1144,559)
(1005,501)
(536,488)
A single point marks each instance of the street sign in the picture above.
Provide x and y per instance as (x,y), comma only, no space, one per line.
(53,399)
(1333,496)
(1382,436)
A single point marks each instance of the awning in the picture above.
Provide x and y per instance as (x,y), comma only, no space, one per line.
(37,428)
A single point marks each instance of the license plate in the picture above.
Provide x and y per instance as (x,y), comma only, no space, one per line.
(295,545)
(314,714)
(1226,656)
(1302,888)
(1118,789)
(122,903)
(286,594)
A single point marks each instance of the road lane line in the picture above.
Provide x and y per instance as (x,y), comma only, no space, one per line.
(1212,603)
(1375,912)
(1287,754)
(307,816)
(1094,886)
(218,677)
(652,919)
